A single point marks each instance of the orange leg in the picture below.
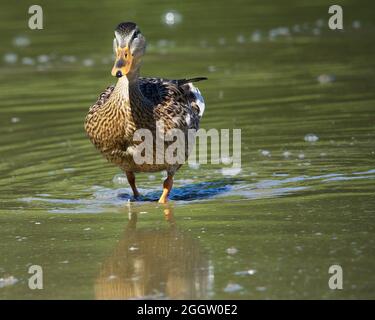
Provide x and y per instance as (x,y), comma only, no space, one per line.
(167,187)
(131,179)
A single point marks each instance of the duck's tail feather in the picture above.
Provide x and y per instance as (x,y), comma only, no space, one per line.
(181,82)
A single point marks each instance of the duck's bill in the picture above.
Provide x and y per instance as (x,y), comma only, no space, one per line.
(123,63)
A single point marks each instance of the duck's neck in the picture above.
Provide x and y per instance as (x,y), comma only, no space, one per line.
(128,90)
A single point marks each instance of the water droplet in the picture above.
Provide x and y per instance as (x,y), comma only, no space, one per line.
(261,289)
(8,281)
(311,137)
(232,250)
(232,287)
(230,171)
(43,58)
(241,38)
(10,58)
(211,68)
(326,78)
(287,154)
(249,272)
(120,179)
(15,120)
(88,62)
(256,36)
(194,165)
(356,24)
(28,61)
(319,23)
(68,59)
(265,153)
(171,18)
(21,41)
(316,31)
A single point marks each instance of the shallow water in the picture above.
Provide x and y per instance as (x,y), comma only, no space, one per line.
(300,203)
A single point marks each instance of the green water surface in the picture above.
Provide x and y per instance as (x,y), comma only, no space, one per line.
(272,230)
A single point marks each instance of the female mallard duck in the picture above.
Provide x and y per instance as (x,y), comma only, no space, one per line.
(141,103)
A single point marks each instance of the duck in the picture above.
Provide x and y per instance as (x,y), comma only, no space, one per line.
(157,106)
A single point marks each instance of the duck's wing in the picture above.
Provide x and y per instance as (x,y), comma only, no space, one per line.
(103,97)
(174,97)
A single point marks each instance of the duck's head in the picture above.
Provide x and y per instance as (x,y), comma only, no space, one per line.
(129,46)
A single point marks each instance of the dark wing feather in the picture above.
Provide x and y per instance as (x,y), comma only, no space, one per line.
(103,97)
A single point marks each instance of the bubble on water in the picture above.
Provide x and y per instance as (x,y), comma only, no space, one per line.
(226,160)
(316,31)
(87,229)
(296,28)
(21,41)
(356,24)
(43,58)
(88,62)
(241,38)
(37,223)
(133,248)
(311,137)
(232,287)
(68,59)
(120,179)
(287,154)
(249,272)
(112,277)
(151,177)
(326,78)
(211,68)
(172,18)
(276,32)
(10,58)
(15,120)
(265,153)
(162,43)
(64,262)
(232,250)
(323,154)
(194,165)
(8,281)
(28,61)
(319,23)
(222,41)
(301,156)
(256,36)
(261,289)
(230,171)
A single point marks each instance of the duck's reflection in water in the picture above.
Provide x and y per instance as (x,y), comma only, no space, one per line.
(155,264)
